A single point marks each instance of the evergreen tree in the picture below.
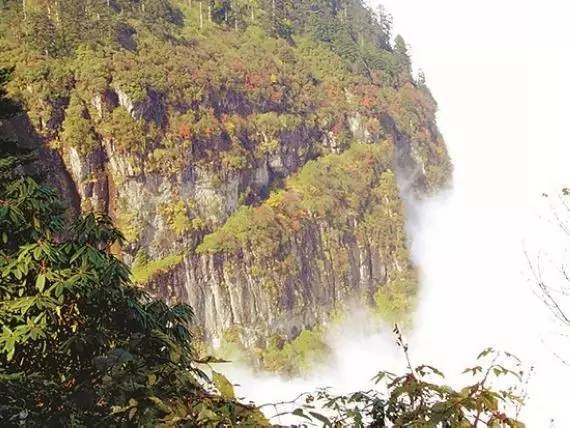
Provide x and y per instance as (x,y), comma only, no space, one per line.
(401,50)
(7,106)
(386,21)
(78,131)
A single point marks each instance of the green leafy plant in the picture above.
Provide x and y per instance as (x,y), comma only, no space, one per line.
(420,398)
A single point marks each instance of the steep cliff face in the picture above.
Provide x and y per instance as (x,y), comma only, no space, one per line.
(284,265)
(254,158)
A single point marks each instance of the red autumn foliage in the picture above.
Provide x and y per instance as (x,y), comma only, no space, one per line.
(367,102)
(185,131)
(253,81)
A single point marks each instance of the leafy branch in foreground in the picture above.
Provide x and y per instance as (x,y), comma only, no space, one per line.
(419,398)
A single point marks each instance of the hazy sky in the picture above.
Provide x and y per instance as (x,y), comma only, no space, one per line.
(474,54)
(498,70)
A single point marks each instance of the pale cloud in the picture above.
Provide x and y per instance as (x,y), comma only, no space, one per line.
(497,69)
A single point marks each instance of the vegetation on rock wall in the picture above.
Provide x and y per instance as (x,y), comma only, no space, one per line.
(229,87)
(302,108)
(143,269)
(354,190)
(277,354)
(81,346)
(395,301)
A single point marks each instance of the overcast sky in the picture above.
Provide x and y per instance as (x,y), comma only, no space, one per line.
(498,70)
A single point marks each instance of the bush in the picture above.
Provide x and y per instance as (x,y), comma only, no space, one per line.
(144,270)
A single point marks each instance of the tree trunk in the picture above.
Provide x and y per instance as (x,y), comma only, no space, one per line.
(56,12)
(273,20)
(201,17)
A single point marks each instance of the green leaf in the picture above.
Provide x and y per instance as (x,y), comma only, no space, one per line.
(207,415)
(223,385)
(300,413)
(175,356)
(41,282)
(160,405)
(485,352)
(473,370)
(326,421)
(11,349)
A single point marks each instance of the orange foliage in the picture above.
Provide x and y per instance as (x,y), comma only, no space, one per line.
(185,131)
(367,102)
(253,81)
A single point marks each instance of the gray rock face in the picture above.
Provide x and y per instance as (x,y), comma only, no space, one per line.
(325,266)
(151,108)
(225,292)
(90,178)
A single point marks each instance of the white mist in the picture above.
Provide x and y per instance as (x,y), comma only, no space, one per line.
(495,68)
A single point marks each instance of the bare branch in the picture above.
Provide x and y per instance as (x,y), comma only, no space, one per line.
(546,293)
